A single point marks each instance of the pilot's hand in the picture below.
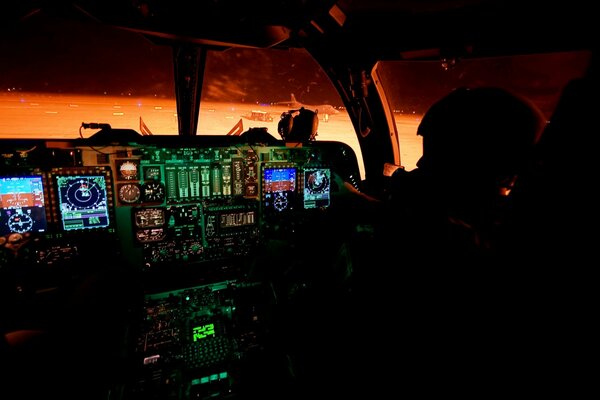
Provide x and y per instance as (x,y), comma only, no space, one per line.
(345,190)
(339,187)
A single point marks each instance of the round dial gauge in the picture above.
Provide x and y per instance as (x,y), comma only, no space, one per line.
(280,202)
(129,193)
(153,192)
(128,170)
(20,223)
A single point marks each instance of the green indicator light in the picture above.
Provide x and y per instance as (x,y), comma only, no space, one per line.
(223,375)
(214,377)
(187,298)
(204,380)
(195,382)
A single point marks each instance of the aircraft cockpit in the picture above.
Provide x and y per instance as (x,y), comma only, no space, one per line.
(176,182)
(199,223)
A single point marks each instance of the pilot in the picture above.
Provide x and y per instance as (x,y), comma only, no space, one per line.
(298,126)
(475,143)
(433,278)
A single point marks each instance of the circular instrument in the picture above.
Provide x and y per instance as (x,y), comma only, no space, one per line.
(128,170)
(20,223)
(280,202)
(153,192)
(129,193)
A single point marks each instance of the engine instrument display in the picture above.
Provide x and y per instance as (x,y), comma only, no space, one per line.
(237,219)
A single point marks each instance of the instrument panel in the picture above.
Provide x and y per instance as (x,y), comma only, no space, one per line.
(165,202)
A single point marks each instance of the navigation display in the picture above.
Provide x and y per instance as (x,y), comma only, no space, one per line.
(316,188)
(82,201)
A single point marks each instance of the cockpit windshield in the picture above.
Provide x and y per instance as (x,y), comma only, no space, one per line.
(56,74)
(413,86)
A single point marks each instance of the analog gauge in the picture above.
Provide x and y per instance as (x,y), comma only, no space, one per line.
(129,193)
(20,223)
(153,192)
(128,170)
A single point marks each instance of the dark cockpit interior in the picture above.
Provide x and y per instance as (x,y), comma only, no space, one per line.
(139,264)
(192,228)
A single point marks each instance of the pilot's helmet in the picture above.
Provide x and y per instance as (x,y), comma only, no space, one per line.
(484,131)
(298,125)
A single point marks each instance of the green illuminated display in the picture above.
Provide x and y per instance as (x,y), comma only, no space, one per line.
(211,378)
(201,332)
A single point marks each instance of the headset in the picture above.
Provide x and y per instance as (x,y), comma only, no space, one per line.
(298,125)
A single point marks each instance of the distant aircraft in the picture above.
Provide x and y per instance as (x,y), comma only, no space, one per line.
(322,109)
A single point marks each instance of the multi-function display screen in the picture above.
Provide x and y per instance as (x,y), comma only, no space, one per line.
(279,187)
(279,180)
(22,204)
(316,187)
(82,201)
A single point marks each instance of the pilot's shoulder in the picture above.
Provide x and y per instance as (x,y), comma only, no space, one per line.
(404,184)
(403,177)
